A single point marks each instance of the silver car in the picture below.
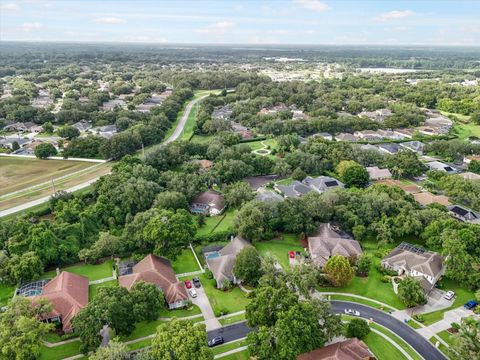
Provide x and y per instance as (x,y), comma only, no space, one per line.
(352,312)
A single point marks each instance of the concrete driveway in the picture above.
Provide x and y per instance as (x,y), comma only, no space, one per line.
(211,322)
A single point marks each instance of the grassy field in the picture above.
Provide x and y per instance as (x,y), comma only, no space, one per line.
(232,319)
(179,313)
(226,301)
(93,289)
(441,347)
(185,262)
(229,346)
(6,293)
(20,173)
(405,346)
(241,355)
(464,131)
(461,117)
(140,344)
(279,248)
(218,223)
(92,272)
(190,124)
(210,223)
(47,190)
(381,348)
(202,139)
(447,337)
(60,352)
(356,300)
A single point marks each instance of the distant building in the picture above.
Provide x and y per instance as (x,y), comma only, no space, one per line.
(221,262)
(346,137)
(159,272)
(324,135)
(269,196)
(469,176)
(295,189)
(406,133)
(463,214)
(351,349)
(82,125)
(318,184)
(425,266)
(204,164)
(391,149)
(222,113)
(440,166)
(376,173)
(8,142)
(257,182)
(327,243)
(106,131)
(209,202)
(379,115)
(468,159)
(112,104)
(427,198)
(415,146)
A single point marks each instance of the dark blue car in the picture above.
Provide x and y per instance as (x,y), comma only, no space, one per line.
(470,305)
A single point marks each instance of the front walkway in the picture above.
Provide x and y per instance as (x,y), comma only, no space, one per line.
(211,322)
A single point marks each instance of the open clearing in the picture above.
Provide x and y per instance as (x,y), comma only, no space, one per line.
(20,173)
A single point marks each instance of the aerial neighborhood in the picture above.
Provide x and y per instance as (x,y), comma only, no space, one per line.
(231,198)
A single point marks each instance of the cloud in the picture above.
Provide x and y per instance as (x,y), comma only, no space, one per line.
(314,5)
(30,26)
(110,20)
(395,15)
(9,7)
(218,28)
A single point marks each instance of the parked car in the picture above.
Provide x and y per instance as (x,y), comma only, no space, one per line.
(193,292)
(449,295)
(352,312)
(188,284)
(196,282)
(470,305)
(217,340)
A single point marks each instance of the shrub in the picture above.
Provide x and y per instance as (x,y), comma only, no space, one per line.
(419,317)
(357,328)
(386,278)
(208,273)
(226,285)
(221,312)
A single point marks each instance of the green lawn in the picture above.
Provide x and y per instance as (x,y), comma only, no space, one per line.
(357,300)
(202,139)
(405,346)
(210,223)
(93,289)
(441,347)
(6,293)
(227,221)
(232,319)
(60,352)
(462,296)
(229,346)
(447,337)
(464,131)
(381,348)
(461,117)
(92,272)
(413,324)
(185,262)
(140,344)
(241,355)
(279,248)
(227,301)
(180,313)
(257,145)
(190,124)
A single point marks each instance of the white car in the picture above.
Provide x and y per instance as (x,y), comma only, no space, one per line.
(193,292)
(449,295)
(352,312)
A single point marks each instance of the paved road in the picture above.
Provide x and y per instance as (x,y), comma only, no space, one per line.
(420,344)
(409,335)
(181,124)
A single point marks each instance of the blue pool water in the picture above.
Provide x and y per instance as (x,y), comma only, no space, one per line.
(213,255)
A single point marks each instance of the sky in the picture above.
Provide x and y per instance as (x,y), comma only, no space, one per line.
(381,22)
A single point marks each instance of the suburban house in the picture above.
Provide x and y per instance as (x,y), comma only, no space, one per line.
(469,176)
(327,242)
(268,196)
(346,137)
(256,182)
(378,115)
(369,147)
(416,146)
(222,113)
(112,104)
(426,198)
(376,173)
(68,294)
(440,166)
(425,266)
(209,202)
(204,164)
(319,184)
(389,148)
(82,125)
(8,142)
(241,130)
(221,262)
(22,127)
(158,271)
(463,214)
(324,135)
(106,131)
(351,349)
(406,133)
(468,159)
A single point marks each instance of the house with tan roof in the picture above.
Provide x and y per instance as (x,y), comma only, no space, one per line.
(327,243)
(68,294)
(426,198)
(425,266)
(351,349)
(210,202)
(221,262)
(469,176)
(375,173)
(158,271)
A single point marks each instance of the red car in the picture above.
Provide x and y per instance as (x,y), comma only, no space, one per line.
(188,284)
(291,254)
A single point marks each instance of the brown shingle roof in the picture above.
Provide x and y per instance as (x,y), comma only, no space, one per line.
(222,266)
(68,294)
(158,271)
(327,243)
(426,198)
(212,198)
(351,349)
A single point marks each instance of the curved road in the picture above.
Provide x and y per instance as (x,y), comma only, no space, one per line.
(409,335)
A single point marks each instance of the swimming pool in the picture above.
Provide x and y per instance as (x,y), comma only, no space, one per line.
(213,255)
